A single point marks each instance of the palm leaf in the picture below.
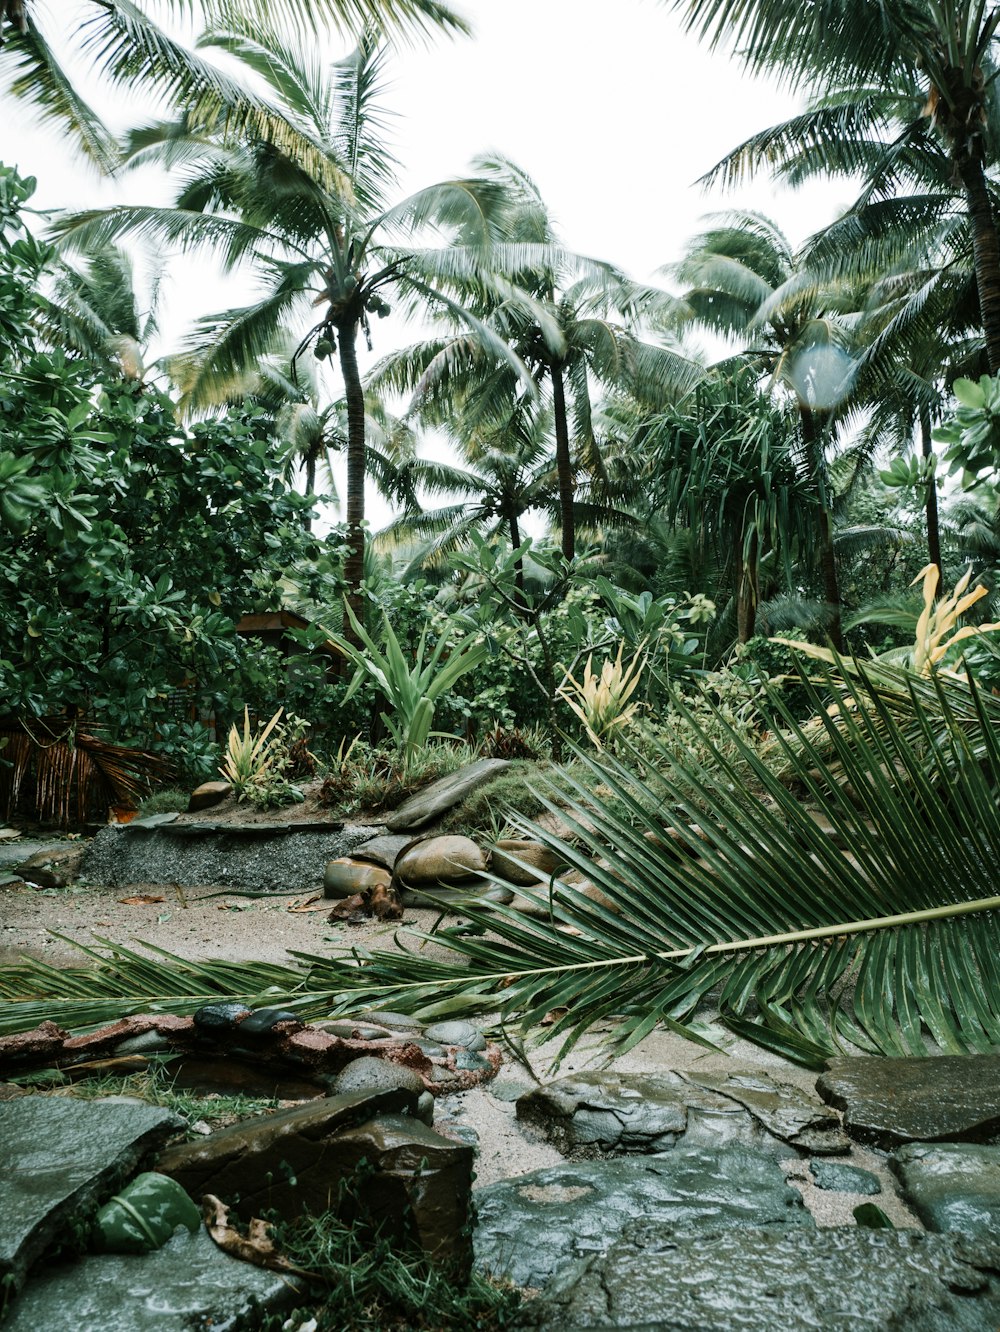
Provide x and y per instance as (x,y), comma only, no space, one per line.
(800,946)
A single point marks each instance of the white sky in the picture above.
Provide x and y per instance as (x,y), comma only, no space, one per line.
(612,110)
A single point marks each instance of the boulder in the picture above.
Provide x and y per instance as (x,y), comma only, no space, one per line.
(839,1279)
(384,850)
(594,1113)
(308,1158)
(532,1226)
(444,794)
(61,1160)
(835,1177)
(447,860)
(887,1102)
(189,1283)
(345,876)
(208,794)
(524,862)
(951,1186)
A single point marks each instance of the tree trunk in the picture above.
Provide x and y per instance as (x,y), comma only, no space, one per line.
(931,504)
(354,565)
(515,541)
(747,589)
(564,463)
(812,438)
(985,251)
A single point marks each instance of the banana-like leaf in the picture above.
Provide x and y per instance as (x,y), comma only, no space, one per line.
(877,929)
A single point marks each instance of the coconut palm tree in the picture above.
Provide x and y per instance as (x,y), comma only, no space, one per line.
(742,280)
(307,207)
(935,54)
(121,42)
(565,317)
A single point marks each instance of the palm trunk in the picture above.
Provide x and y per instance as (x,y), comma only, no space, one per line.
(515,541)
(354,565)
(747,589)
(985,251)
(812,438)
(307,519)
(564,463)
(931,505)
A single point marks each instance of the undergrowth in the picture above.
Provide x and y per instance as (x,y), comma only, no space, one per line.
(368,1283)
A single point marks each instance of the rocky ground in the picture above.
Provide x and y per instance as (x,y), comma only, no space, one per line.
(667,1166)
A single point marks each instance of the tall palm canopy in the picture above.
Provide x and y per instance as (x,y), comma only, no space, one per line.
(939,52)
(121,42)
(306,206)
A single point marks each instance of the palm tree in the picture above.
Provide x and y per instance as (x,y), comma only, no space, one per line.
(563,315)
(307,207)
(123,44)
(742,281)
(938,53)
(96,311)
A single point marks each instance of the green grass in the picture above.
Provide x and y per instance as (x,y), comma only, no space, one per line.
(153,1085)
(171,800)
(365,1283)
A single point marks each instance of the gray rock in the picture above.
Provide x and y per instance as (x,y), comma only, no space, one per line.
(61,1160)
(456,1033)
(887,1102)
(189,1283)
(425,1109)
(471,1062)
(838,1178)
(951,1186)
(369,1073)
(383,850)
(531,1226)
(301,1160)
(594,1113)
(838,1279)
(147,1042)
(444,794)
(475,892)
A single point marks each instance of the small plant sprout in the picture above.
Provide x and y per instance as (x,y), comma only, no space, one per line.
(937,621)
(602,702)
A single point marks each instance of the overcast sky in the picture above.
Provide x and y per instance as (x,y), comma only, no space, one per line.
(612,110)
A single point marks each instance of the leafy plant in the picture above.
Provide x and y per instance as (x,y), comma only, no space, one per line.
(602,702)
(250,759)
(411,687)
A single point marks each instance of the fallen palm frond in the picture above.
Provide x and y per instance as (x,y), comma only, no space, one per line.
(879,930)
(62,772)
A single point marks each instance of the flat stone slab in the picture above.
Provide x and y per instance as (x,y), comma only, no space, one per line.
(596,1113)
(261,857)
(887,1102)
(841,1279)
(60,1159)
(444,794)
(531,1226)
(951,1186)
(383,850)
(188,1284)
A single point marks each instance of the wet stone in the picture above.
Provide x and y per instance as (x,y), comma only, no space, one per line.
(838,1279)
(887,1102)
(531,1226)
(595,1113)
(215,1019)
(457,1033)
(444,794)
(838,1178)
(951,1186)
(61,1159)
(189,1283)
(471,1062)
(262,1021)
(369,1073)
